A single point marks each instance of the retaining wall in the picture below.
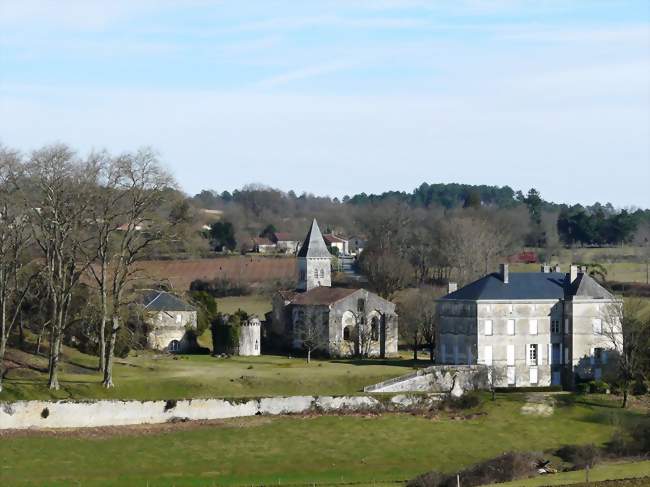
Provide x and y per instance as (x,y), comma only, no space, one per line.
(72,414)
(454,379)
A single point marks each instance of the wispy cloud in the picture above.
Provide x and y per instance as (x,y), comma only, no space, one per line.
(304,73)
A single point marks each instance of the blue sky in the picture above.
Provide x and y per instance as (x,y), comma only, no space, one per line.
(342,96)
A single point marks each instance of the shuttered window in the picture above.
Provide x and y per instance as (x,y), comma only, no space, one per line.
(487,326)
(511,327)
(510,355)
(487,355)
(532,327)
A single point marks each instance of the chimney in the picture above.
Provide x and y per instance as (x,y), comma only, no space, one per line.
(505,277)
(546,268)
(451,287)
(573,273)
(557,268)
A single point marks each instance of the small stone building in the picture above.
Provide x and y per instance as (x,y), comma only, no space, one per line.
(348,321)
(530,328)
(170,318)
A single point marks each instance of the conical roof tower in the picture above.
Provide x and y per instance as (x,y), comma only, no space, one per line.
(314,261)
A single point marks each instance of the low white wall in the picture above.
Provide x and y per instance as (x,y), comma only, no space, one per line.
(70,414)
(454,379)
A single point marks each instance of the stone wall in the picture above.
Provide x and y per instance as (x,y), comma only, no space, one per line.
(70,414)
(442,379)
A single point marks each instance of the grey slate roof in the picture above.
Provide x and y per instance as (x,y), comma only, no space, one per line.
(530,285)
(314,245)
(587,286)
(164,301)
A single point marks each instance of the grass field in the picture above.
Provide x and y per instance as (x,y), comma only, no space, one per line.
(148,375)
(283,450)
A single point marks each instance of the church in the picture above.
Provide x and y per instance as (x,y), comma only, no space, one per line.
(339,321)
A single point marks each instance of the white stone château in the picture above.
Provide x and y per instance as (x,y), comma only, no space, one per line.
(530,328)
(343,321)
(169,318)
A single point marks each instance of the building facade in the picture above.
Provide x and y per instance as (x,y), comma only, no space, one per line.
(531,329)
(341,321)
(169,318)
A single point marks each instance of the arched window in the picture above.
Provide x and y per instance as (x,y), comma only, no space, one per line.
(322,273)
(174,346)
(316,273)
(347,333)
(257,345)
(374,328)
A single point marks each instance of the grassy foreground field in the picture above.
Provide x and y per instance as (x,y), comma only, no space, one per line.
(622,470)
(282,450)
(148,375)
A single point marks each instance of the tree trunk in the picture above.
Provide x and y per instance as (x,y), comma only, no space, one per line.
(309,355)
(432,350)
(415,350)
(102,343)
(624,405)
(3,348)
(55,344)
(110,353)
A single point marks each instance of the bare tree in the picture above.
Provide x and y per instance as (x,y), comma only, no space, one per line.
(311,330)
(58,209)
(14,240)
(386,271)
(136,183)
(417,312)
(625,329)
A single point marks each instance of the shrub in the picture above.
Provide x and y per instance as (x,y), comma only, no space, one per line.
(582,388)
(641,438)
(598,387)
(220,288)
(580,456)
(507,467)
(466,401)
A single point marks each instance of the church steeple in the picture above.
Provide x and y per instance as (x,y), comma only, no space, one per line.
(314,261)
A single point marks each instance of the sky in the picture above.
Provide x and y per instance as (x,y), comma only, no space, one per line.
(342,96)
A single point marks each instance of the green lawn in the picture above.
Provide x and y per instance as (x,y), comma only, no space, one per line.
(147,375)
(600,472)
(254,304)
(282,450)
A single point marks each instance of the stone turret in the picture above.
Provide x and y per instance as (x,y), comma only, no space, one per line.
(250,337)
(314,261)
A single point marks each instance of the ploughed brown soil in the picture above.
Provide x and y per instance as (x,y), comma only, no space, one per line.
(245,269)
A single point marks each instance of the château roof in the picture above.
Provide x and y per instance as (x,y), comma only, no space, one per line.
(314,245)
(530,285)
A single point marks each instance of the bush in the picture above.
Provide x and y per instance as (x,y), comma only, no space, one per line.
(598,387)
(507,467)
(580,456)
(582,388)
(466,401)
(220,288)
(529,389)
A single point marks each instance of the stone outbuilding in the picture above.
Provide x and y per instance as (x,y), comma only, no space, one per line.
(342,321)
(170,318)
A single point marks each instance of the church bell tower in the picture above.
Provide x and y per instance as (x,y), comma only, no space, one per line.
(314,261)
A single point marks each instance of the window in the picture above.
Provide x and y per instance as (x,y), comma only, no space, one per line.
(179,318)
(322,273)
(487,355)
(566,355)
(347,334)
(374,329)
(443,353)
(533,375)
(511,376)
(511,327)
(532,325)
(511,308)
(316,273)
(555,326)
(566,326)
(488,327)
(510,357)
(174,346)
(599,356)
(598,326)
(257,345)
(532,354)
(361,305)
